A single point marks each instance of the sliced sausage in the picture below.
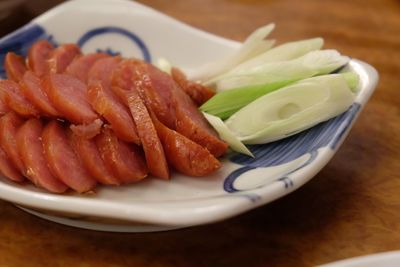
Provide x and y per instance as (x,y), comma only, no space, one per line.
(15,66)
(81,65)
(130,71)
(197,92)
(61,57)
(101,71)
(185,155)
(31,88)
(30,149)
(158,86)
(126,160)
(8,169)
(11,95)
(188,120)
(110,107)
(69,96)
(3,106)
(38,55)
(9,125)
(91,159)
(154,152)
(192,124)
(121,94)
(62,160)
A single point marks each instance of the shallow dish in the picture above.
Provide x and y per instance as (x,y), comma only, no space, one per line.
(242,184)
(384,259)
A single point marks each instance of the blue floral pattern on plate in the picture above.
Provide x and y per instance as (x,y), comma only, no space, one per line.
(328,133)
(20,41)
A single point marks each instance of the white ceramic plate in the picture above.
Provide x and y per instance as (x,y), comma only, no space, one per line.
(242,184)
(385,259)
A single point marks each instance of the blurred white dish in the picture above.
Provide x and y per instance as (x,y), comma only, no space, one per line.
(385,259)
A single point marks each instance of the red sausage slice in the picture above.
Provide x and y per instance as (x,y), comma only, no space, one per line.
(126,160)
(7,168)
(11,95)
(188,120)
(109,106)
(197,92)
(30,149)
(32,89)
(9,124)
(91,159)
(101,71)
(62,160)
(3,106)
(68,95)
(191,123)
(15,66)
(154,152)
(61,57)
(185,155)
(37,57)
(157,90)
(80,67)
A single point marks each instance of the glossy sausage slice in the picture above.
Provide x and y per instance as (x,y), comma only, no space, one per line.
(192,124)
(91,159)
(15,66)
(3,106)
(81,65)
(102,70)
(124,159)
(110,107)
(69,96)
(185,155)
(9,124)
(31,88)
(61,57)
(188,120)
(157,90)
(38,55)
(11,95)
(197,92)
(154,152)
(62,160)
(7,168)
(30,149)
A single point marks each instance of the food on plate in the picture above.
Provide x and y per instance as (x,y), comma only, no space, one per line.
(60,57)
(9,125)
(30,150)
(38,55)
(11,95)
(15,66)
(275,92)
(62,159)
(71,121)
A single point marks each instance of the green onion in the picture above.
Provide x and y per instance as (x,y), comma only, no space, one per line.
(284,52)
(252,46)
(292,109)
(225,103)
(226,135)
(313,63)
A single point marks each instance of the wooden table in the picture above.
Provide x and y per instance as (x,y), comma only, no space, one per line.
(351,208)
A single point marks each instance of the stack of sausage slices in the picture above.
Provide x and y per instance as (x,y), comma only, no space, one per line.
(71,121)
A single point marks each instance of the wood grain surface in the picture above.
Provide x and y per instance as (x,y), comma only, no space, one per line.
(351,208)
